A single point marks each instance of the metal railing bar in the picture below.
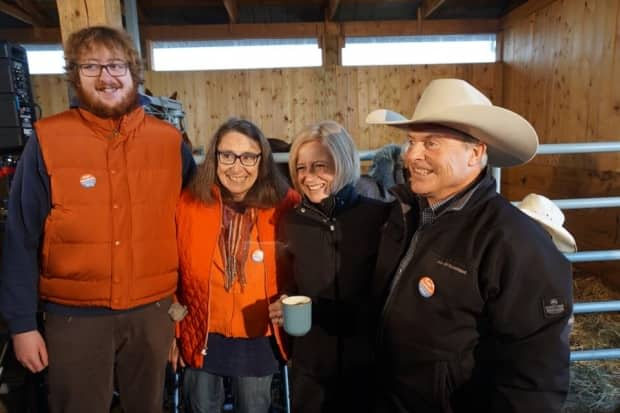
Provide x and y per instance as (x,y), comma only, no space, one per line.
(587,355)
(547,149)
(585,147)
(578,203)
(581,203)
(596,307)
(280,157)
(543,149)
(591,256)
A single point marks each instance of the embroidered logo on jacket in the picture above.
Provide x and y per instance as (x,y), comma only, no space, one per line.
(452,267)
(553,307)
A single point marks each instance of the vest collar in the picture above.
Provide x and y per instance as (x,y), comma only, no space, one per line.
(107,127)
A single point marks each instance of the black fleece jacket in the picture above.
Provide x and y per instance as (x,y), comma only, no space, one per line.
(331,249)
(493,336)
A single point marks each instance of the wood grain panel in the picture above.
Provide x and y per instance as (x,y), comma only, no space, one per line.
(283,101)
(51,93)
(562,72)
(561,69)
(77,14)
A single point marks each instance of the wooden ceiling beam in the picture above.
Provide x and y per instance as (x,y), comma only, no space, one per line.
(38,16)
(227,31)
(232,8)
(523,11)
(331,9)
(279,30)
(37,35)
(141,14)
(428,7)
(292,30)
(157,4)
(413,27)
(17,13)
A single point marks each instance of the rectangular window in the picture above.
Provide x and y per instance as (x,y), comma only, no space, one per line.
(45,59)
(236,54)
(411,50)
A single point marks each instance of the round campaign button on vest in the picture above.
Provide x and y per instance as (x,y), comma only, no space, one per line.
(88,180)
(426,287)
(258,256)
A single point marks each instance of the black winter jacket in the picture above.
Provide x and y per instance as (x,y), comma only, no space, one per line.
(332,257)
(493,336)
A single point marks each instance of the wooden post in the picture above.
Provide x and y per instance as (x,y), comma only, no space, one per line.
(77,14)
(332,42)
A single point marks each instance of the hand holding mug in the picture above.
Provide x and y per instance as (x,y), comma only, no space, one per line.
(275,311)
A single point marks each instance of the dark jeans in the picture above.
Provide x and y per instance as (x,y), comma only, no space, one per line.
(87,353)
(204,392)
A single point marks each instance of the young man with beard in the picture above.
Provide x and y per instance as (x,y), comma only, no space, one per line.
(473,298)
(90,236)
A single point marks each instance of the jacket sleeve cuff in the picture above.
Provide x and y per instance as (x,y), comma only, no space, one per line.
(22,324)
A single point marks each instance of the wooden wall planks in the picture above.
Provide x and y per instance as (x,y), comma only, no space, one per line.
(562,72)
(283,101)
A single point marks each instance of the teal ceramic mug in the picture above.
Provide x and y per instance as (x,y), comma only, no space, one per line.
(297,314)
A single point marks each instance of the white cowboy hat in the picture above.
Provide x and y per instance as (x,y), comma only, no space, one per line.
(511,140)
(549,215)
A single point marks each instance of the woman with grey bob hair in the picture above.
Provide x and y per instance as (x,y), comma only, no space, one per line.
(340,146)
(329,245)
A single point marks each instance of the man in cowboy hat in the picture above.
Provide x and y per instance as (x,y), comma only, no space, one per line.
(473,297)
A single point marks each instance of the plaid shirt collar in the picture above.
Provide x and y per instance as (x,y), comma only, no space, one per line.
(429,213)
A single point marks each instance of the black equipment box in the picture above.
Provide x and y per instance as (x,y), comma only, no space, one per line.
(17,114)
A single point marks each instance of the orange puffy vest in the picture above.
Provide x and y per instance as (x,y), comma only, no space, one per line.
(109,239)
(198,227)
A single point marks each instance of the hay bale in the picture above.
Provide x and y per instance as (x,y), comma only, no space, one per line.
(595,385)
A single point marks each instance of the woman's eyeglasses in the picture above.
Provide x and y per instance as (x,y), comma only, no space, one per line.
(246,158)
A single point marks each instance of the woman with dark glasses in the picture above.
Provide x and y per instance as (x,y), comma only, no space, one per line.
(226,225)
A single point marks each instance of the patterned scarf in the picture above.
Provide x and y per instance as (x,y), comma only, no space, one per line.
(234,243)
